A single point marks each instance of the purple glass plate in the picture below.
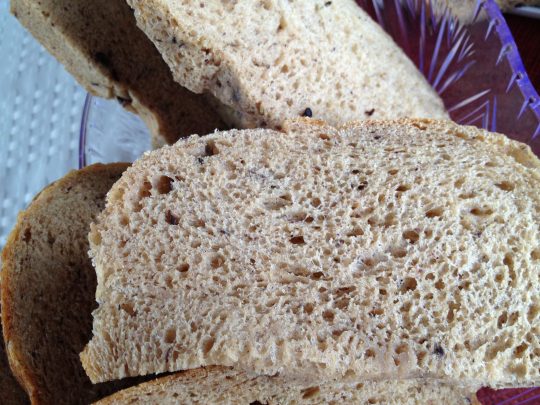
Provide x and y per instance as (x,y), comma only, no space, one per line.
(476,68)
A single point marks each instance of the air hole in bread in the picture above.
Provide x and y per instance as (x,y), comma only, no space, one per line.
(170,336)
(390,220)
(404,187)
(482,212)
(521,350)
(399,252)
(403,348)
(452,308)
(337,333)
(211,149)
(376,311)
(297,240)
(532,313)
(128,307)
(411,236)
(461,135)
(197,223)
(308,308)
(146,190)
(408,284)
(509,261)
(393,172)
(164,185)
(506,186)
(27,236)
(446,156)
(171,219)
(439,285)
(316,202)
(217,261)
(434,212)
(169,282)
(467,196)
(420,356)
(362,185)
(369,353)
(355,232)
(328,316)
(207,345)
(310,392)
(459,182)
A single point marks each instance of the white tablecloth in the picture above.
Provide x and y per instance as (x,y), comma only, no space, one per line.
(40,113)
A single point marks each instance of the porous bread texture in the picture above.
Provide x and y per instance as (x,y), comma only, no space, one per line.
(11,392)
(48,286)
(100,45)
(218,385)
(378,250)
(269,60)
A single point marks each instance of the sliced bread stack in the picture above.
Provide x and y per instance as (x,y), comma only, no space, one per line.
(281,60)
(376,251)
(269,60)
(100,45)
(48,286)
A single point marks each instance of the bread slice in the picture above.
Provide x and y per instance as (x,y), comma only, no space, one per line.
(100,45)
(218,385)
(11,392)
(378,250)
(269,60)
(48,286)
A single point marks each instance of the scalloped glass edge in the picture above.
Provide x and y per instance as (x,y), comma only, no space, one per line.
(510,51)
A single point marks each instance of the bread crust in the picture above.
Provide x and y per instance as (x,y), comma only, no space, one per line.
(220,385)
(25,269)
(99,43)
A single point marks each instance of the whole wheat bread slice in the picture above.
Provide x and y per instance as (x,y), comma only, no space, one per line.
(100,45)
(48,287)
(269,60)
(11,392)
(218,385)
(377,250)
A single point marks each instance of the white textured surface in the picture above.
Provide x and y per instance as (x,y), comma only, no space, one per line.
(40,112)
